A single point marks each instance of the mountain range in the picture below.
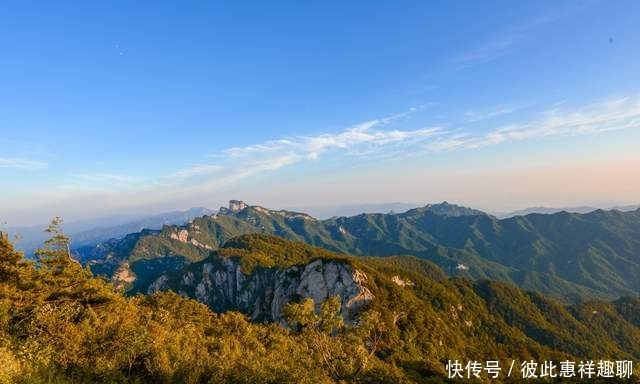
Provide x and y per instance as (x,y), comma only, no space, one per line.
(336,210)
(572,257)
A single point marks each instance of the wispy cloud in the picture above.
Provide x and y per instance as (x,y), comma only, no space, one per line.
(591,119)
(251,167)
(375,140)
(103,178)
(100,181)
(487,51)
(510,38)
(24,164)
(474,117)
(242,169)
(378,140)
(311,147)
(372,135)
(195,170)
(370,139)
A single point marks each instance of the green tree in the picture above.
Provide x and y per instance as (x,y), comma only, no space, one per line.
(9,260)
(300,315)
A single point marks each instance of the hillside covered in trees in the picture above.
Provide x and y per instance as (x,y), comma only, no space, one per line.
(572,257)
(58,323)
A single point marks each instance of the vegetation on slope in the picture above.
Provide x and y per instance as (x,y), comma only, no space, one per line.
(59,324)
(573,257)
(432,318)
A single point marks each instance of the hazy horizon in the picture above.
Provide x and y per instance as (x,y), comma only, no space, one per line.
(321,211)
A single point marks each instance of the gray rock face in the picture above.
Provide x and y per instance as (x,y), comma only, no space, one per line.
(236,205)
(262,294)
(158,284)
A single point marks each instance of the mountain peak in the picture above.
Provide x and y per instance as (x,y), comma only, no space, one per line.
(448,209)
(236,205)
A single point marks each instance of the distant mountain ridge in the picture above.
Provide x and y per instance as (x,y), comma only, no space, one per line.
(99,234)
(446,209)
(95,231)
(547,210)
(338,210)
(573,257)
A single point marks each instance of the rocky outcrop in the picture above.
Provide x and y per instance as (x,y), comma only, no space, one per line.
(182,235)
(123,277)
(402,282)
(223,286)
(236,205)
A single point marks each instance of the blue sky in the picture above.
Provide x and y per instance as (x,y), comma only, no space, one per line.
(110,107)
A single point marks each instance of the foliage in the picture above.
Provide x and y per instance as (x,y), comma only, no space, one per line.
(257,250)
(60,324)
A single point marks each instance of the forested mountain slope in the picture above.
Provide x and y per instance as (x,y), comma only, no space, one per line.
(571,256)
(59,324)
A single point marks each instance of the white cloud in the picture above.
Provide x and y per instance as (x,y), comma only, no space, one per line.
(370,134)
(589,120)
(24,164)
(474,117)
(253,167)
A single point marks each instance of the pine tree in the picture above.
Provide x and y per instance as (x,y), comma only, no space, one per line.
(55,255)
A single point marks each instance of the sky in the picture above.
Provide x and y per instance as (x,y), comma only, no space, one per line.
(138,107)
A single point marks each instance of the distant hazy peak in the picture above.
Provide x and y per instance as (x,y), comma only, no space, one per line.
(550,210)
(447,209)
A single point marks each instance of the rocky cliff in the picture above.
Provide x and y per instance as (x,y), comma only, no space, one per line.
(262,294)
